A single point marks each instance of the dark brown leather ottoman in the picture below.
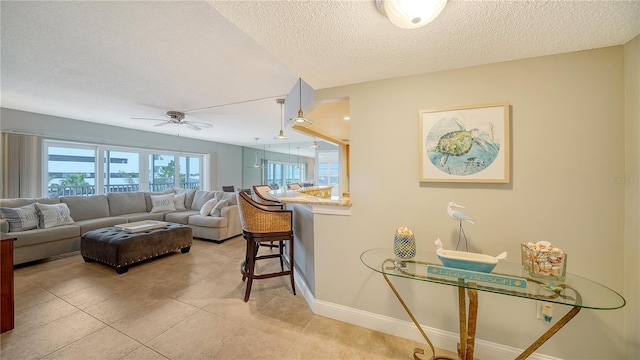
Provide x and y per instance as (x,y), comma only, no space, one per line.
(120,249)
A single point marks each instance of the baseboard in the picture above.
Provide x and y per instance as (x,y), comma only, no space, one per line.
(304,289)
(405,329)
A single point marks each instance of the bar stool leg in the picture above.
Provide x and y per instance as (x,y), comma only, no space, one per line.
(250,268)
(281,244)
(243,266)
(291,264)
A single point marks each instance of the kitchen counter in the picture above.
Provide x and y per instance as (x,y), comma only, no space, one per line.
(308,196)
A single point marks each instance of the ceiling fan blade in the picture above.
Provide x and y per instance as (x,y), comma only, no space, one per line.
(163,123)
(191,126)
(140,118)
(201,124)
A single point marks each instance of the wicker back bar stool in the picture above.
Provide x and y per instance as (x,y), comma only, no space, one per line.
(264,198)
(261,224)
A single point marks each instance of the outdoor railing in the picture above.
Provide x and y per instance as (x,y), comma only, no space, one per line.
(86,190)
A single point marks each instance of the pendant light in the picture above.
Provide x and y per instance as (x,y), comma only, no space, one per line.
(315,144)
(255,164)
(281,136)
(300,119)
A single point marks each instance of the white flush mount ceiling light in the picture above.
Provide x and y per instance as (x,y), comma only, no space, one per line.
(281,135)
(300,119)
(410,14)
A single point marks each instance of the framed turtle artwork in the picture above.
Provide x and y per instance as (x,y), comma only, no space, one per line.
(465,144)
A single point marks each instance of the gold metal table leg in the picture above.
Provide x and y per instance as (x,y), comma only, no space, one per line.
(462,313)
(416,351)
(471,323)
(549,333)
(468,322)
(556,327)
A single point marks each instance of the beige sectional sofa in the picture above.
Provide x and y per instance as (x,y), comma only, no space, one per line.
(98,211)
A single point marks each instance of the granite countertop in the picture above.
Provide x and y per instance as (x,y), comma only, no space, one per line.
(303,196)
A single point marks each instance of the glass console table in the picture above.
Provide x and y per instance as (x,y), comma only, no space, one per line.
(505,279)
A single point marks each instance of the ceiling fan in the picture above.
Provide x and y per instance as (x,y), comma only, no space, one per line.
(177,117)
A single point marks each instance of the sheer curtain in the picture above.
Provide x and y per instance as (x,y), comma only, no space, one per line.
(21,166)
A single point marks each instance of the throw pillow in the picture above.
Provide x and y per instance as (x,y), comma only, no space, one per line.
(216,211)
(20,219)
(200,197)
(53,215)
(162,203)
(205,210)
(178,201)
(230,197)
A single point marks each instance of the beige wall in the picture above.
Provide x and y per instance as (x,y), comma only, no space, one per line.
(632,236)
(568,143)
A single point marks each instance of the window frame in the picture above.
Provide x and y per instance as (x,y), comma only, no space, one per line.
(99,166)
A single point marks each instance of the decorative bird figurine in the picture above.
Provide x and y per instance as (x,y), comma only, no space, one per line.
(457,215)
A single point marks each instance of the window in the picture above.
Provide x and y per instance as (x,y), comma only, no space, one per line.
(71,170)
(162,172)
(189,172)
(283,173)
(76,169)
(329,169)
(121,171)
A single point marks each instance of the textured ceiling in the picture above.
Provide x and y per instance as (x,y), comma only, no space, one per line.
(109,61)
(344,42)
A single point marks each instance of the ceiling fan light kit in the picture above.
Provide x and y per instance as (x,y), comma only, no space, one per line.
(410,14)
(177,118)
(300,119)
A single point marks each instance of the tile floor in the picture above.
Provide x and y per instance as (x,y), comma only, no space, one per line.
(179,306)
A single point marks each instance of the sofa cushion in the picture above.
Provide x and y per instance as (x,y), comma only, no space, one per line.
(200,198)
(207,221)
(141,216)
(147,198)
(87,207)
(180,217)
(162,203)
(41,236)
(52,215)
(218,208)
(14,203)
(188,196)
(92,224)
(205,210)
(178,201)
(126,203)
(22,218)
(230,197)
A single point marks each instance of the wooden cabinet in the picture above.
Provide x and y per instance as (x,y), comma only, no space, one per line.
(6,283)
